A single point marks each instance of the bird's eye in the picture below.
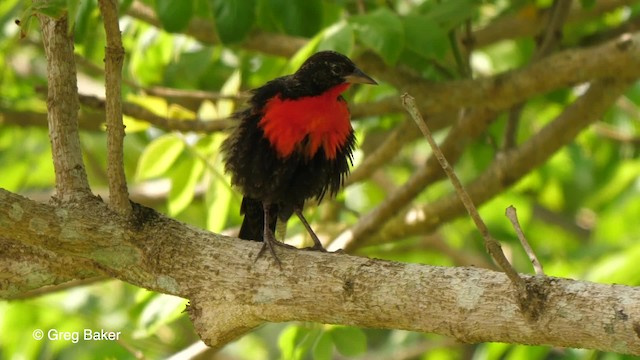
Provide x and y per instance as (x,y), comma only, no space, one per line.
(337,69)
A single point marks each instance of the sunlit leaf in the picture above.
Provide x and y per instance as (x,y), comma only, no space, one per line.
(159,156)
(230,87)
(72,12)
(184,179)
(84,21)
(323,348)
(160,310)
(350,341)
(338,37)
(381,30)
(287,341)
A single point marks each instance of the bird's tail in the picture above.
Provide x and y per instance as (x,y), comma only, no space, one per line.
(252,225)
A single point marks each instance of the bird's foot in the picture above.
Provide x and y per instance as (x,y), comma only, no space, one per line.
(319,247)
(316,247)
(270,243)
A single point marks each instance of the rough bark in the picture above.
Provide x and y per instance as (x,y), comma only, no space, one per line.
(62,107)
(114,58)
(230,294)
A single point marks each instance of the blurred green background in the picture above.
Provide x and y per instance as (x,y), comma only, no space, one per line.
(580,210)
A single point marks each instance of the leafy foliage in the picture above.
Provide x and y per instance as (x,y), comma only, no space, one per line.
(579,209)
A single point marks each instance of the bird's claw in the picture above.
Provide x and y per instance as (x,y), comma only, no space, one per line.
(321,248)
(269,243)
(316,247)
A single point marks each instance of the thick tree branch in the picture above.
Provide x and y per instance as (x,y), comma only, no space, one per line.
(230,295)
(62,105)
(114,57)
(25,268)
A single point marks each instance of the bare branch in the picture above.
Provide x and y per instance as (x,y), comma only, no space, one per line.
(512,215)
(491,244)
(114,57)
(62,105)
(29,270)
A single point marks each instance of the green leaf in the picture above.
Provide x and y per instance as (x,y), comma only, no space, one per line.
(219,194)
(189,68)
(424,36)
(72,10)
(160,310)
(230,87)
(52,8)
(350,341)
(381,31)
(84,21)
(303,54)
(124,6)
(588,4)
(185,177)
(295,17)
(323,348)
(174,15)
(288,340)
(158,156)
(233,18)
(218,199)
(450,14)
(338,37)
(296,341)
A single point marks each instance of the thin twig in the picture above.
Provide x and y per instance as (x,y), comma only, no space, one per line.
(513,217)
(491,244)
(114,57)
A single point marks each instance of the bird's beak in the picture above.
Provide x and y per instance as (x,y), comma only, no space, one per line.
(359,77)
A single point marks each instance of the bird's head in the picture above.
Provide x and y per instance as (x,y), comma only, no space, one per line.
(326,69)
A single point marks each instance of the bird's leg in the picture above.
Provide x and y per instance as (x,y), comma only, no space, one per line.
(269,239)
(317,245)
